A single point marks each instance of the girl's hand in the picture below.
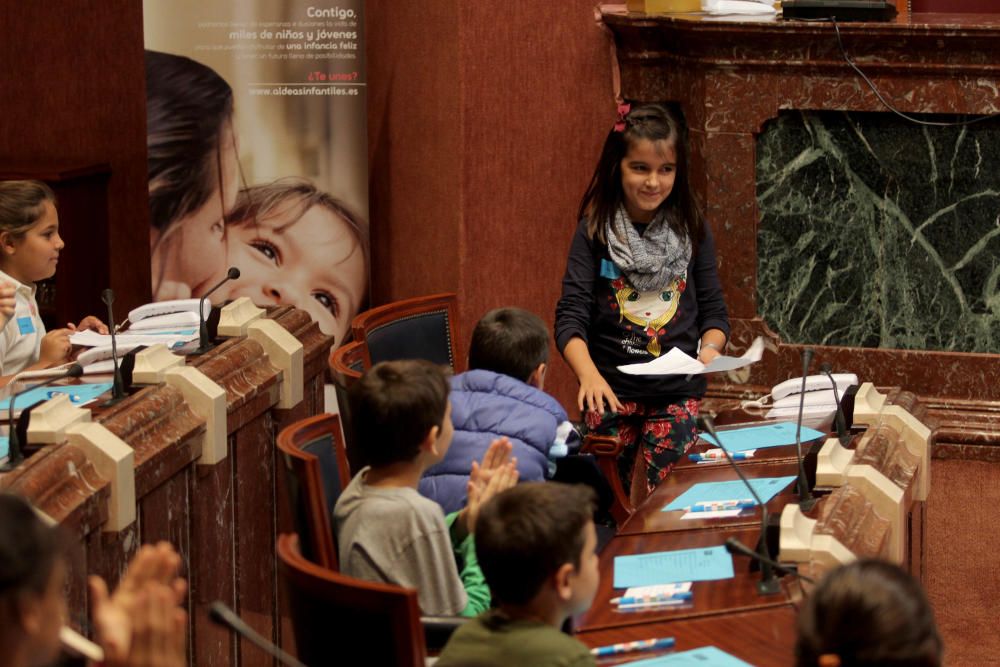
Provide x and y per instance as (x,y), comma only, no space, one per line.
(92,323)
(594,393)
(707,354)
(7,301)
(55,347)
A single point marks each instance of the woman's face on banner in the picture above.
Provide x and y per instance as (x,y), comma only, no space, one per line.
(315,263)
(192,257)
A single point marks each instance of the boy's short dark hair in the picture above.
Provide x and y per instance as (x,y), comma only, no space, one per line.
(393,407)
(525,534)
(511,341)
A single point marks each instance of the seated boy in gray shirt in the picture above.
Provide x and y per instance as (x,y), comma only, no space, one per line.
(386,531)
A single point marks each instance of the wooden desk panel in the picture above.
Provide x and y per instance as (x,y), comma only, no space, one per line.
(711,598)
(762,637)
(649,517)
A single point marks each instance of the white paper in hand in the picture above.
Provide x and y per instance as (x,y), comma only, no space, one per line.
(676,362)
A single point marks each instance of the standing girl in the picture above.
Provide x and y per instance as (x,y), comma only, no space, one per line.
(641,278)
(29,252)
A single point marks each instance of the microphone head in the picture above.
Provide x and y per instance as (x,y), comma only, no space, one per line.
(233,273)
(733,545)
(74,371)
(706,423)
(108,296)
(826,367)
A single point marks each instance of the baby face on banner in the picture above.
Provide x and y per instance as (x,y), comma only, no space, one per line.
(313,261)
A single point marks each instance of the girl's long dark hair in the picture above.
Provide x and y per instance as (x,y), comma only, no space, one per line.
(600,202)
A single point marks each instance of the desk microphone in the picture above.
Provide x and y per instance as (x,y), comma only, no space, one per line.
(768,584)
(806,500)
(734,546)
(204,344)
(226,617)
(15,453)
(838,419)
(118,387)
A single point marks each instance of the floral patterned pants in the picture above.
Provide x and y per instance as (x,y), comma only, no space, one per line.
(662,434)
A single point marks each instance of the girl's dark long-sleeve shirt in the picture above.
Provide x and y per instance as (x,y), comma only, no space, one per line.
(621,326)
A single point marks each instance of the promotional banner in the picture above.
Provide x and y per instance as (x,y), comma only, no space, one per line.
(258,153)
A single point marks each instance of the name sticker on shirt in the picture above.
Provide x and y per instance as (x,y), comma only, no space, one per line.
(609,270)
(26,325)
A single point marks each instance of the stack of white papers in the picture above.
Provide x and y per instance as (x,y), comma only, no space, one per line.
(171,339)
(676,362)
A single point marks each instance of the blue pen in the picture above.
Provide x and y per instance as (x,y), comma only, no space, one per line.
(641,645)
(720,505)
(679,595)
(737,456)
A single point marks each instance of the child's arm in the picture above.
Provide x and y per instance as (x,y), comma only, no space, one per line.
(594,389)
(477,591)
(7,303)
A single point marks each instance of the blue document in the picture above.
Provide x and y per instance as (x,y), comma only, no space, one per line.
(79,394)
(700,657)
(4,447)
(709,492)
(668,567)
(762,437)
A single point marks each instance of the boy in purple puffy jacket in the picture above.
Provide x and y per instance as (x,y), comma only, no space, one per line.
(501,396)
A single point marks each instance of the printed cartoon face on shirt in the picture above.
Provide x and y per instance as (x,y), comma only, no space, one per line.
(650,310)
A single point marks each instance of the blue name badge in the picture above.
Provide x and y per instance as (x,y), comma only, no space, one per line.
(609,270)
(25,325)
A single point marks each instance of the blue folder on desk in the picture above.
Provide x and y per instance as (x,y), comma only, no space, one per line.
(700,657)
(79,394)
(669,567)
(761,437)
(710,492)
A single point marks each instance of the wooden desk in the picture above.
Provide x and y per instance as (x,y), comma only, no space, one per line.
(649,517)
(710,598)
(762,637)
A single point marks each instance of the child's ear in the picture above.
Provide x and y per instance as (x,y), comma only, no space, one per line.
(429,443)
(563,579)
(537,377)
(7,243)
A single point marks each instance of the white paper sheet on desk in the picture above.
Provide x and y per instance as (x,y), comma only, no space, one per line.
(96,368)
(738,7)
(90,338)
(676,362)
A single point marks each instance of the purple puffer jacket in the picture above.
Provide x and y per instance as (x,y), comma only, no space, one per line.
(485,406)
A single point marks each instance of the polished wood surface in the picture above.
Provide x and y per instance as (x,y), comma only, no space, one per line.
(650,517)
(762,637)
(710,598)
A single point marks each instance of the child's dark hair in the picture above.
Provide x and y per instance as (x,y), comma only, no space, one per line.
(868,613)
(525,534)
(511,341)
(22,204)
(29,549)
(393,407)
(655,122)
(187,107)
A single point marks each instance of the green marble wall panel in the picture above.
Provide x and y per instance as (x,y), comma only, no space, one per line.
(876,232)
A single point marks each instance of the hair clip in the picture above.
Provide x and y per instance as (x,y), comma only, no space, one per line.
(623,110)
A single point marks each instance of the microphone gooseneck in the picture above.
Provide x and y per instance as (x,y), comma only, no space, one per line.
(222,615)
(806,500)
(15,453)
(118,386)
(734,546)
(839,421)
(204,344)
(768,584)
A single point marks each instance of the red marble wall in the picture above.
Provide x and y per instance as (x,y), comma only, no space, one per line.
(485,122)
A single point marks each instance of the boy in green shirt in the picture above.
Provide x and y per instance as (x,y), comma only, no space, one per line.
(537,548)
(386,531)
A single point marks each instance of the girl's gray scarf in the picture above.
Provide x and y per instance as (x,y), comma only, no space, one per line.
(653,259)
